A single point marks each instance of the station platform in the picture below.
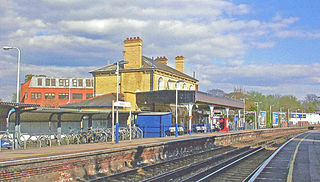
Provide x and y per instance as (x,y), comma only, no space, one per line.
(8,156)
(298,160)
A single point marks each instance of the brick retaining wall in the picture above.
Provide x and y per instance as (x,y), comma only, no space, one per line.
(105,162)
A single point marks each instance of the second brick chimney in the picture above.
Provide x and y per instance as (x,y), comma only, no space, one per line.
(163,59)
(133,52)
(180,63)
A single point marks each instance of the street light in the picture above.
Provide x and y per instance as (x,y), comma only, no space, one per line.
(280,120)
(117,115)
(177,106)
(18,70)
(256,125)
(244,111)
(271,122)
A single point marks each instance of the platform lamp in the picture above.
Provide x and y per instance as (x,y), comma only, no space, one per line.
(18,70)
(117,115)
(256,125)
(244,111)
(177,106)
(271,121)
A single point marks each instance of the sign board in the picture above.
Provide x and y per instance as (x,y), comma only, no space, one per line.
(121,104)
(263,119)
(275,118)
(250,112)
(298,116)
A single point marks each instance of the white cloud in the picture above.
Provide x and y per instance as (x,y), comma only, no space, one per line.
(102,26)
(263,45)
(210,33)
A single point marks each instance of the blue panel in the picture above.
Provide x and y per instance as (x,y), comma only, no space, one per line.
(154,125)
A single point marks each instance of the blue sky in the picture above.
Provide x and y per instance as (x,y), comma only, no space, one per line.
(266,46)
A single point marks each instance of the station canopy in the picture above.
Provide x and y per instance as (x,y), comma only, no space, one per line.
(185,97)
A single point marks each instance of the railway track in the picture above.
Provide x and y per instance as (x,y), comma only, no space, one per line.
(218,163)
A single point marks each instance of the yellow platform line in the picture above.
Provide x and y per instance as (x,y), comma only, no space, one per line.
(289,177)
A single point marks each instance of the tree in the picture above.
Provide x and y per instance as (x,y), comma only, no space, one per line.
(217,92)
(14,97)
(28,77)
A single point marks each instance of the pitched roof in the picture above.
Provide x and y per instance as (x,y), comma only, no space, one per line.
(102,101)
(146,65)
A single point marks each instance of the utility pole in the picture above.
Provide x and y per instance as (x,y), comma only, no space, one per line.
(244,111)
(271,122)
(257,123)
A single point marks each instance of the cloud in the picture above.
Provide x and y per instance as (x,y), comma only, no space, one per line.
(215,36)
(263,45)
(102,26)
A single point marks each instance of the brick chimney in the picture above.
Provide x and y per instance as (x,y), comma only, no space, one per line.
(163,59)
(133,52)
(180,63)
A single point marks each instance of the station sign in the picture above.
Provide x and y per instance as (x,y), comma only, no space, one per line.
(275,118)
(121,104)
(298,116)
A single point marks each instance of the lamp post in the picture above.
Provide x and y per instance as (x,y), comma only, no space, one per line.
(271,123)
(177,106)
(244,111)
(280,120)
(18,70)
(256,125)
(117,115)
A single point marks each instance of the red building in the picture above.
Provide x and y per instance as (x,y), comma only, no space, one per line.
(55,92)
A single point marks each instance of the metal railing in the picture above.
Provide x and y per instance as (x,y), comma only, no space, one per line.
(96,135)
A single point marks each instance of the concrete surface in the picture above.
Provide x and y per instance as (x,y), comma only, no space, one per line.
(301,156)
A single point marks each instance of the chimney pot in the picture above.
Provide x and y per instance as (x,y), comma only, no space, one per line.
(133,52)
(180,63)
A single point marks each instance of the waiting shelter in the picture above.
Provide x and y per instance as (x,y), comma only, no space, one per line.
(192,101)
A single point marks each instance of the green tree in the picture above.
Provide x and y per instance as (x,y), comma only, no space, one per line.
(28,77)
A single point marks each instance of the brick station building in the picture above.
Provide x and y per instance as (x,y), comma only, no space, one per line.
(55,92)
(142,74)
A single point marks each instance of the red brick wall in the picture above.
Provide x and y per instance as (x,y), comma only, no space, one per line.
(56,102)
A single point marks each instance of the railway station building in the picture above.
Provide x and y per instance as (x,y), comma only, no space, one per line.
(152,85)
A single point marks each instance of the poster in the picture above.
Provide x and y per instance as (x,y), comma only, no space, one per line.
(275,117)
(263,119)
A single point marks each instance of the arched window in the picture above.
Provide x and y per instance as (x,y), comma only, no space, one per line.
(160,84)
(170,85)
(191,87)
(185,87)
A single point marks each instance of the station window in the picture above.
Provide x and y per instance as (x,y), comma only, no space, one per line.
(184,86)
(76,96)
(66,81)
(88,96)
(74,82)
(80,83)
(63,96)
(26,95)
(88,83)
(47,82)
(49,95)
(39,81)
(60,82)
(170,85)
(160,84)
(63,82)
(53,82)
(35,95)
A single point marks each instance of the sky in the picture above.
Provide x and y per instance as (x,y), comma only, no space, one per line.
(269,46)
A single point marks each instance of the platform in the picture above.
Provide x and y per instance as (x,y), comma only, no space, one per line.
(7,156)
(298,161)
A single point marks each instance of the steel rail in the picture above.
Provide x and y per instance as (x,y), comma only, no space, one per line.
(178,172)
(132,171)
